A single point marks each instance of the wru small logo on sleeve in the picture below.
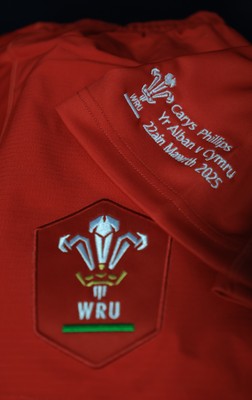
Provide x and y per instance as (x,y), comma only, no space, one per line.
(159,88)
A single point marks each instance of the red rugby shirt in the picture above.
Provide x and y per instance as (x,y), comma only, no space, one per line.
(125,192)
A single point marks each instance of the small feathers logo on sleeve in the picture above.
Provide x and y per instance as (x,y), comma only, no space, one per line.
(159,88)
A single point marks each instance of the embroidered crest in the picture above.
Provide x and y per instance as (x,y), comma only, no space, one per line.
(103,229)
(159,88)
(100,281)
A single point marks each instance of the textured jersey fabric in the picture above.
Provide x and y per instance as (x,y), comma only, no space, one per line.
(88,112)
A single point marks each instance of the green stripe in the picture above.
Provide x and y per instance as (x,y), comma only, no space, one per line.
(98,328)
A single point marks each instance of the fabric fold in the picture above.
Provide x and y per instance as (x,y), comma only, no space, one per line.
(175,137)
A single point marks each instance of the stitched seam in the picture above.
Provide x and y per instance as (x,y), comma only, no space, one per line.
(140,172)
(160,180)
(228,243)
(229,240)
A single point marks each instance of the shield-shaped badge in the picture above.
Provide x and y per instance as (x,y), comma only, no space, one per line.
(100,281)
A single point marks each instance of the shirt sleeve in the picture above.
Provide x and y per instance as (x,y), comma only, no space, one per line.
(175,136)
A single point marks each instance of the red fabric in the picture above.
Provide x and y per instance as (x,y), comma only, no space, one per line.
(68,140)
(55,279)
(178,195)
